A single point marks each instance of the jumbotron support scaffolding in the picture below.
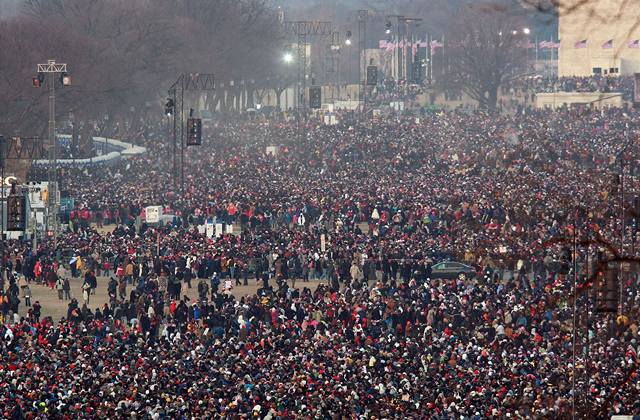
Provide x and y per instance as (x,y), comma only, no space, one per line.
(304,30)
(187,82)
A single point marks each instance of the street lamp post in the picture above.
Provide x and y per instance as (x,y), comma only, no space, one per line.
(347,42)
(362,57)
(335,51)
(288,59)
(527,32)
(53,69)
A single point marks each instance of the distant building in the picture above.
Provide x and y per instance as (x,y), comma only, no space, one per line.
(599,37)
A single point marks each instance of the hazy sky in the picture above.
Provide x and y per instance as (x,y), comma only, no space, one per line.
(8,8)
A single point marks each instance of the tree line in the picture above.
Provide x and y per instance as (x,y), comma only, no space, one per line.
(123,55)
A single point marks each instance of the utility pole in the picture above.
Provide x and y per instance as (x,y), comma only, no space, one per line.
(53,69)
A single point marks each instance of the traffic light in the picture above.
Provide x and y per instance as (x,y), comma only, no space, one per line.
(315,97)
(194,132)
(38,80)
(16,211)
(372,75)
(169,107)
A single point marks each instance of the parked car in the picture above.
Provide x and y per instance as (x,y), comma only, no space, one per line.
(452,270)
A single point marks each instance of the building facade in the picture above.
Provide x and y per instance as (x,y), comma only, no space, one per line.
(599,37)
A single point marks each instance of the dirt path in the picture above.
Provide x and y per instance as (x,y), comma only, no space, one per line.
(56,308)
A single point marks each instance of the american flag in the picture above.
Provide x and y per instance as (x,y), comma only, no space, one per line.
(390,46)
(387,45)
(608,45)
(580,44)
(634,44)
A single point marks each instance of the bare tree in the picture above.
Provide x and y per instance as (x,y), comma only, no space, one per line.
(486,49)
(233,39)
(123,54)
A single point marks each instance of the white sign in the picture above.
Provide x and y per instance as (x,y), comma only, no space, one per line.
(230,229)
(210,229)
(323,243)
(397,106)
(218,230)
(38,193)
(330,119)
(153,214)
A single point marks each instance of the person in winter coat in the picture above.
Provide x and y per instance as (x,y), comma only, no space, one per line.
(356,273)
(26,292)
(37,271)
(59,287)
(203,289)
(86,291)
(66,288)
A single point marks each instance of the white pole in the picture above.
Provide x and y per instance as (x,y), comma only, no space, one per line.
(53,144)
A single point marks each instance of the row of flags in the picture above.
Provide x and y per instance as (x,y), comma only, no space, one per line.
(547,45)
(607,45)
(391,46)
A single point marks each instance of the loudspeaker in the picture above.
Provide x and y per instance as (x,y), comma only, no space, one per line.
(16,213)
(194,132)
(315,97)
(372,75)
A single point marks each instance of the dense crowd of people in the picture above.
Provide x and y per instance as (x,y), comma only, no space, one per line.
(595,83)
(366,207)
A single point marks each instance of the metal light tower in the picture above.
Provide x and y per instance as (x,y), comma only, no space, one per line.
(186,82)
(362,57)
(332,64)
(52,68)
